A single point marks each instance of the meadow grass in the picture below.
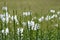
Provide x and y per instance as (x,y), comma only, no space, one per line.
(38,8)
(46,31)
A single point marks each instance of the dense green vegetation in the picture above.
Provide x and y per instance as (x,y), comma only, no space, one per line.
(45,30)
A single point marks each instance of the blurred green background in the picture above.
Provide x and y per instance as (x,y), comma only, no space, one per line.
(36,6)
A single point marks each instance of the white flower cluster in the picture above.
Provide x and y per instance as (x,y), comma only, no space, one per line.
(48,17)
(26,13)
(6,31)
(51,17)
(6,17)
(15,18)
(52,11)
(20,30)
(33,25)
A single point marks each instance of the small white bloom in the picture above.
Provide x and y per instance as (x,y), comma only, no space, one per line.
(52,17)
(19,30)
(3,31)
(2,17)
(58,12)
(7,31)
(41,19)
(5,17)
(29,13)
(26,13)
(12,18)
(48,18)
(36,26)
(55,15)
(15,18)
(52,11)
(30,24)
(4,8)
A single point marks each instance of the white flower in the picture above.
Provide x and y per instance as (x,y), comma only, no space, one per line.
(2,17)
(33,25)
(3,31)
(12,18)
(36,26)
(55,16)
(48,18)
(41,19)
(20,30)
(7,17)
(52,11)
(29,13)
(30,24)
(4,8)
(15,18)
(26,13)
(58,12)
(7,31)
(52,16)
